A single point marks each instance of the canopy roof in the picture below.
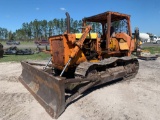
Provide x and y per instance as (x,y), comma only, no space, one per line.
(102,18)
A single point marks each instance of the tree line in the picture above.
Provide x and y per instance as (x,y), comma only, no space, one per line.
(42,29)
(4,33)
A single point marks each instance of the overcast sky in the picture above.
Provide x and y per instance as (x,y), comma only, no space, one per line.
(145,14)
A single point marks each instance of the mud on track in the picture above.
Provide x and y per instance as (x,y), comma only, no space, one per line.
(138,98)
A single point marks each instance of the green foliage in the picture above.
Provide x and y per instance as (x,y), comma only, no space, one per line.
(42,29)
(152,50)
(18,58)
(3,33)
(11,35)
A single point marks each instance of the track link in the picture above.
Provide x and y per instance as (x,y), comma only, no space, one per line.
(130,65)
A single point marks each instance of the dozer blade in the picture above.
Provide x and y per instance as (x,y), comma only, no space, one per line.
(48,90)
(56,93)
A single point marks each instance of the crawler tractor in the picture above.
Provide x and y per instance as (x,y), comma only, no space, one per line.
(80,61)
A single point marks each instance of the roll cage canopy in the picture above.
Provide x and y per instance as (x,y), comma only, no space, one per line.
(107,18)
(102,18)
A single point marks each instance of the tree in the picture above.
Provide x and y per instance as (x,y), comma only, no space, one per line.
(20,34)
(11,35)
(29,30)
(3,33)
(50,28)
(36,29)
(44,28)
(56,26)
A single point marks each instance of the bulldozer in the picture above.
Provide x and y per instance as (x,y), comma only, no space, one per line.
(80,61)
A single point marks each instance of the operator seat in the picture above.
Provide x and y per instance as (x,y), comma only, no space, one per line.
(112,32)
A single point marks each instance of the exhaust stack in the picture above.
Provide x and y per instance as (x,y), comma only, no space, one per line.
(68,22)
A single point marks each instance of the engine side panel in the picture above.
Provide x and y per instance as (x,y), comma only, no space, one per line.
(61,47)
(57,50)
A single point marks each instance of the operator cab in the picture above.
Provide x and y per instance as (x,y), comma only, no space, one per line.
(111,24)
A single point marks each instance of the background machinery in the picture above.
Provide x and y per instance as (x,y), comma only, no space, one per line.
(80,61)
(1,50)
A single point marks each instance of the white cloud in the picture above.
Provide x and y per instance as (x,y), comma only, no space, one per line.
(37,8)
(63,9)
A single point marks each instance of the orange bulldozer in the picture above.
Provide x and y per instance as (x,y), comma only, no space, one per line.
(80,61)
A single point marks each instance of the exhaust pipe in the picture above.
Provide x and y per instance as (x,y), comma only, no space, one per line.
(136,33)
(68,22)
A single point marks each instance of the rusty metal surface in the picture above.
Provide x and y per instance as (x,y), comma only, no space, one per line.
(80,42)
(107,70)
(127,68)
(96,80)
(107,18)
(57,51)
(115,17)
(47,90)
(50,90)
(82,69)
(81,90)
(68,22)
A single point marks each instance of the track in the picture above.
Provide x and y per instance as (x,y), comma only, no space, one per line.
(108,66)
(104,71)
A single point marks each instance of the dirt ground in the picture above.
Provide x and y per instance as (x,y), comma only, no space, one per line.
(136,99)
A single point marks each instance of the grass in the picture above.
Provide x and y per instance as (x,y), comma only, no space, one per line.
(152,50)
(26,42)
(18,58)
(44,56)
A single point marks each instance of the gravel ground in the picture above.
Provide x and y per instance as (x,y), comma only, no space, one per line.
(136,99)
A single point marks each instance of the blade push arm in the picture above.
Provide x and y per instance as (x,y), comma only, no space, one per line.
(78,46)
(79,43)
